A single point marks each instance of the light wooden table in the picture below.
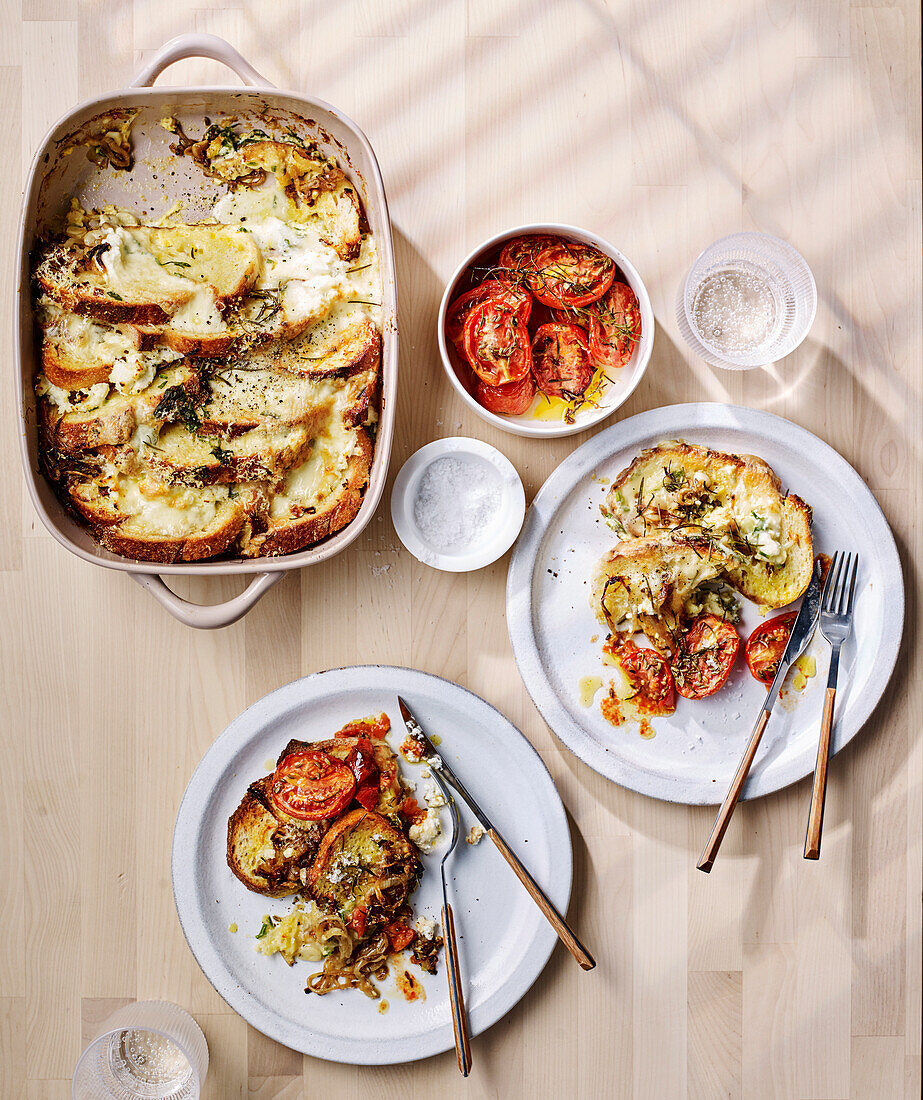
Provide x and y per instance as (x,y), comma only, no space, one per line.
(662,126)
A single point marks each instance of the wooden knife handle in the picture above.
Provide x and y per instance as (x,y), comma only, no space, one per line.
(554,918)
(707,859)
(819,791)
(456,993)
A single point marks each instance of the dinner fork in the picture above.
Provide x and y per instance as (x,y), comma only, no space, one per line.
(835,624)
(456,993)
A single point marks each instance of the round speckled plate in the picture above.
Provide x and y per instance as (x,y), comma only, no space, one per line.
(504,942)
(696,750)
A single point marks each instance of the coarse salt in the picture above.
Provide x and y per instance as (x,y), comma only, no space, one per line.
(456,503)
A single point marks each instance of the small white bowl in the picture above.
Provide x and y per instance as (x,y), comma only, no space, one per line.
(495,542)
(611,395)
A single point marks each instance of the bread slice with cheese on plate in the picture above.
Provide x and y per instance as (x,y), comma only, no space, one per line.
(268,855)
(364,861)
(658,584)
(734,502)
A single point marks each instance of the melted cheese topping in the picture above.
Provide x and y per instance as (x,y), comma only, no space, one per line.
(72,400)
(135,371)
(311,483)
(136,273)
(169,512)
(743,517)
(299,285)
(86,339)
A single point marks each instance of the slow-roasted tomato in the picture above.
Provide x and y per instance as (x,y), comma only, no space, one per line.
(704,658)
(519,255)
(496,344)
(359,920)
(310,785)
(376,726)
(509,294)
(411,809)
(571,274)
(650,679)
(399,934)
(509,400)
(560,361)
(766,645)
(614,327)
(361,761)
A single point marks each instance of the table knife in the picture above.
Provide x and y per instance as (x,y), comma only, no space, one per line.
(801,634)
(437,764)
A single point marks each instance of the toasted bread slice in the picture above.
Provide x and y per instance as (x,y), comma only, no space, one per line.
(327,350)
(262,453)
(319,497)
(149,274)
(132,515)
(390,793)
(78,353)
(72,368)
(655,584)
(363,860)
(270,856)
(736,501)
(240,398)
(71,422)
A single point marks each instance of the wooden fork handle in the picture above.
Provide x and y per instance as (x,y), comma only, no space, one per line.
(707,859)
(819,791)
(554,918)
(456,993)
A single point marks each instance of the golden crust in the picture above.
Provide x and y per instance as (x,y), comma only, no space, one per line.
(341,509)
(166,549)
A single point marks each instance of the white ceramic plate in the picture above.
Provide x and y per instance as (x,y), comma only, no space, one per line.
(504,942)
(695,751)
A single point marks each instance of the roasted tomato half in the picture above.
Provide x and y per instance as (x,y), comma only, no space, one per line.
(520,254)
(569,274)
(704,658)
(513,399)
(766,645)
(310,785)
(508,294)
(650,679)
(614,327)
(496,344)
(361,762)
(560,361)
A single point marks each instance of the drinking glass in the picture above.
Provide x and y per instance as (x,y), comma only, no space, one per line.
(147,1049)
(748,300)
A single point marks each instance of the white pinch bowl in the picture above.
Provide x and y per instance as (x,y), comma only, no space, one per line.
(611,395)
(503,532)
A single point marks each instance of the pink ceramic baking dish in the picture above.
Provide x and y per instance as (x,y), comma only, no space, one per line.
(55,176)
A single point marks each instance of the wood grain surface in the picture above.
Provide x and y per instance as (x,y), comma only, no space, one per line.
(662,125)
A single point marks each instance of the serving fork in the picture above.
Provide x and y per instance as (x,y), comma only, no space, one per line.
(456,993)
(835,623)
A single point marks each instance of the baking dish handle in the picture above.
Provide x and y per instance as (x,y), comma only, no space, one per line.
(198,45)
(207,616)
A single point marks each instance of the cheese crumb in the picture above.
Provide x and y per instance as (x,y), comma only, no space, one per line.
(426,832)
(426,928)
(475,834)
